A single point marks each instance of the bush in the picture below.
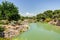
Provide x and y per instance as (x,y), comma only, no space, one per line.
(1,29)
(47,19)
(4,21)
(4,39)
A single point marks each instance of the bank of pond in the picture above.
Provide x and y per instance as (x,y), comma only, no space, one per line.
(40,31)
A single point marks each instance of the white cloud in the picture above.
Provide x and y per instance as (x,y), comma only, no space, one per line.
(29,14)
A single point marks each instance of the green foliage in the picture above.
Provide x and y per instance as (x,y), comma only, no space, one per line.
(1,29)
(15,17)
(47,19)
(49,14)
(4,22)
(56,14)
(4,39)
(8,11)
(41,16)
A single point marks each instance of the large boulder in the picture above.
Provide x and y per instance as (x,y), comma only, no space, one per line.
(54,22)
(58,23)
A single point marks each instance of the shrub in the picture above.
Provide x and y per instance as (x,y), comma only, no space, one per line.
(1,29)
(47,19)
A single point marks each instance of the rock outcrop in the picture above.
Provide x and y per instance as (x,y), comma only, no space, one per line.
(55,22)
(12,30)
(58,23)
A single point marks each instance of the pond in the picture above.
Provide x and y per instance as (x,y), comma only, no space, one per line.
(40,31)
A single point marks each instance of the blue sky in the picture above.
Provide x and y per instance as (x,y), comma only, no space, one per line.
(33,7)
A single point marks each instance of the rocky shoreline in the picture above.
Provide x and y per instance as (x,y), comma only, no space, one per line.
(55,22)
(12,30)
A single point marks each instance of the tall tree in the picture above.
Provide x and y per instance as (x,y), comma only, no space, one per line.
(9,10)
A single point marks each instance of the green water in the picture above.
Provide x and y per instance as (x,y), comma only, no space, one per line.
(40,31)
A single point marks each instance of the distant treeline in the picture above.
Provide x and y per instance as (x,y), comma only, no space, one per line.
(48,15)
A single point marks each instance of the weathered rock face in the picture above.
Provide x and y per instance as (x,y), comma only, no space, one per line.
(58,23)
(55,22)
(11,31)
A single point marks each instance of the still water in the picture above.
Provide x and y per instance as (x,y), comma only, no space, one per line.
(40,31)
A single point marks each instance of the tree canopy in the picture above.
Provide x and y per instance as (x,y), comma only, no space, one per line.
(8,11)
(49,14)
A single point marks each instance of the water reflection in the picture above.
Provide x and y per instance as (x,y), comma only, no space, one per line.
(40,31)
